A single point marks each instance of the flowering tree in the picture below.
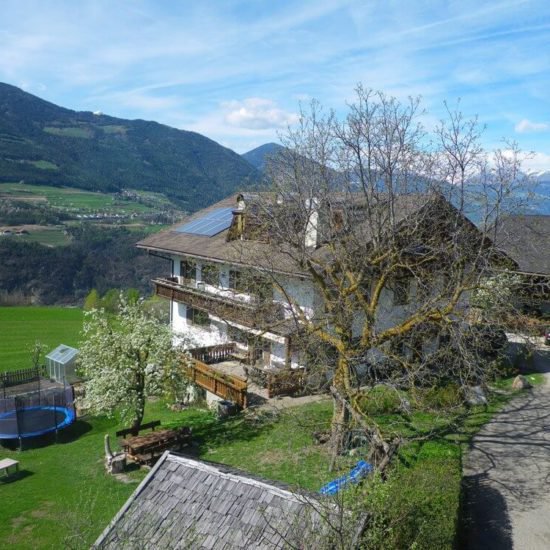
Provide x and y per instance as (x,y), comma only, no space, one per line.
(125,358)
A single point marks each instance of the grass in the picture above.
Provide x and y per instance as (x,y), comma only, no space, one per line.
(21,327)
(44,164)
(69,131)
(53,236)
(63,491)
(63,498)
(70,198)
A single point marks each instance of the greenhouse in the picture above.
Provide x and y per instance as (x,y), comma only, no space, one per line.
(61,363)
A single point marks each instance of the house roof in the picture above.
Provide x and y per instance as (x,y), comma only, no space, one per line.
(191,504)
(248,252)
(526,239)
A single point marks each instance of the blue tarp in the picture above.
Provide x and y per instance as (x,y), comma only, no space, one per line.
(361,469)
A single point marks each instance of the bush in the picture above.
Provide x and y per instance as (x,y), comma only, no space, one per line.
(504,368)
(381,400)
(416,507)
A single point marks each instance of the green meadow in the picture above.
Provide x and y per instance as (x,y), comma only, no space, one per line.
(69,198)
(21,327)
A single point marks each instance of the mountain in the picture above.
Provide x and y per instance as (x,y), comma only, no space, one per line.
(541,199)
(258,157)
(46,144)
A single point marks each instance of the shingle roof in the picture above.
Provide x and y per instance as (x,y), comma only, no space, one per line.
(251,253)
(186,503)
(526,239)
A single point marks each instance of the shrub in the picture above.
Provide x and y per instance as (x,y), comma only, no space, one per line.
(416,507)
(381,400)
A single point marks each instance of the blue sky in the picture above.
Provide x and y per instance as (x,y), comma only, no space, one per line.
(236,71)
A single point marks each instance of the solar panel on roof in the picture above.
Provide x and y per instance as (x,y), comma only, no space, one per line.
(209,224)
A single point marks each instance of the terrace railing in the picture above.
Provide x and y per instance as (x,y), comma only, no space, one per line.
(214,354)
(255,314)
(229,387)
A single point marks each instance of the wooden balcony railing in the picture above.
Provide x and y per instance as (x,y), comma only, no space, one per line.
(230,387)
(254,315)
(214,354)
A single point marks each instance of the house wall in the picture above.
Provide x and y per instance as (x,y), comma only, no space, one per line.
(301,293)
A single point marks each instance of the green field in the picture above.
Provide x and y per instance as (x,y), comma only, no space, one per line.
(69,198)
(21,327)
(53,236)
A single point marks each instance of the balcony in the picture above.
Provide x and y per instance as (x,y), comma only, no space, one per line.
(252,314)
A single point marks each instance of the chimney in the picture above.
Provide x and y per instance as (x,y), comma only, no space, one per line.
(312,222)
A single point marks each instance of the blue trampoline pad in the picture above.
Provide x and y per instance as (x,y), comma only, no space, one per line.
(34,421)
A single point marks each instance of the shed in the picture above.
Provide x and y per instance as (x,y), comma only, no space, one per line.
(61,363)
(193,504)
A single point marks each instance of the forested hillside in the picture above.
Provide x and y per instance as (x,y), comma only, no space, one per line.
(96,258)
(46,144)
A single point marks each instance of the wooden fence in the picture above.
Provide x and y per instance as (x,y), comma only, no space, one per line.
(230,387)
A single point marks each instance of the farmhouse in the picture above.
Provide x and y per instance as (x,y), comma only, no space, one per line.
(526,240)
(187,503)
(238,293)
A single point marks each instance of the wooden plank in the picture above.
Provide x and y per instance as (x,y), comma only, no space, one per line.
(232,388)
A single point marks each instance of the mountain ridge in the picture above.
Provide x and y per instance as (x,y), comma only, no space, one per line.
(44,143)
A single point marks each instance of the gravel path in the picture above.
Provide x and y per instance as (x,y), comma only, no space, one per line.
(507,475)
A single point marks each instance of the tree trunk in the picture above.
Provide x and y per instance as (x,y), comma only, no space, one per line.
(140,411)
(340,413)
(339,429)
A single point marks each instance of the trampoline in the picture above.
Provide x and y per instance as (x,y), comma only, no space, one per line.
(31,406)
(34,421)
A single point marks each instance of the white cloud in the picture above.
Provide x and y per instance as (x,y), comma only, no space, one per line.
(536,162)
(526,126)
(257,113)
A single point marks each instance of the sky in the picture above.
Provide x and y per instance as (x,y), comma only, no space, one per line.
(238,71)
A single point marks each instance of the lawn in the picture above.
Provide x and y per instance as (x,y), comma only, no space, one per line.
(63,499)
(21,327)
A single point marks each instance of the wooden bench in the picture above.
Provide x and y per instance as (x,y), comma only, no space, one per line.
(148,426)
(7,463)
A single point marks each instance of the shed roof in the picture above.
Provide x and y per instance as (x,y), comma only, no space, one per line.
(62,354)
(186,503)
(526,239)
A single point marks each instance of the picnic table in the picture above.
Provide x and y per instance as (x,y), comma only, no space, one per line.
(6,463)
(144,448)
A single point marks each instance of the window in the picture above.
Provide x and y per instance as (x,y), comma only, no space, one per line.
(236,280)
(188,270)
(210,275)
(197,317)
(237,335)
(400,289)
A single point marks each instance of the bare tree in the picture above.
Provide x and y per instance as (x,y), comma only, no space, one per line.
(378,216)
